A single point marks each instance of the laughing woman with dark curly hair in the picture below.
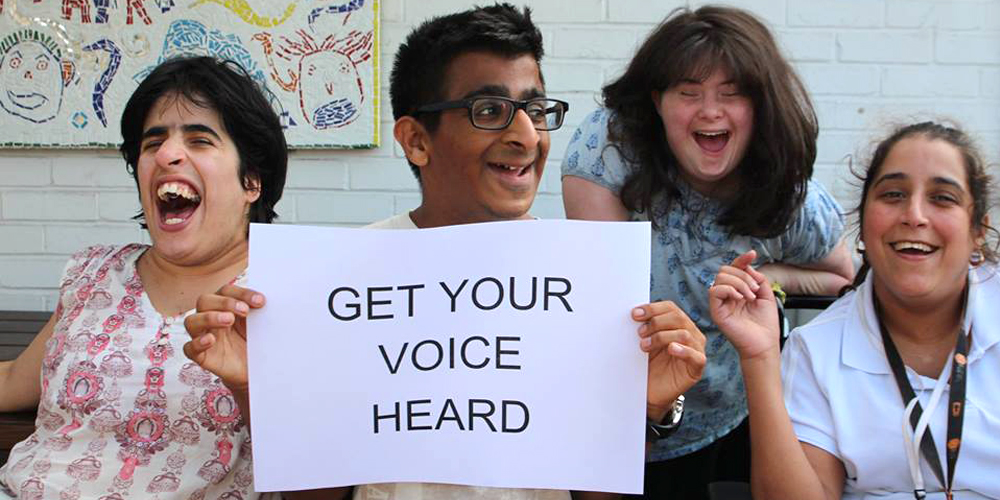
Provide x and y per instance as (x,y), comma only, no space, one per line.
(710,135)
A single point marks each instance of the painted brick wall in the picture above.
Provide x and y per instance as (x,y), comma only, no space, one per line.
(868,64)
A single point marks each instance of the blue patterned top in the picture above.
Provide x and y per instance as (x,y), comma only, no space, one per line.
(688,248)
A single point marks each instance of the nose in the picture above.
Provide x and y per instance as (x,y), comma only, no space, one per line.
(915,214)
(27,75)
(710,107)
(521,132)
(170,153)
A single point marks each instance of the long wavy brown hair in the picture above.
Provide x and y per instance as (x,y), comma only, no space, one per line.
(773,174)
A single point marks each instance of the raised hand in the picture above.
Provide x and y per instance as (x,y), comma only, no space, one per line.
(676,350)
(218,332)
(743,306)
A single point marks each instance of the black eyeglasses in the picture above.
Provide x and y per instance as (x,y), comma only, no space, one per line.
(497,113)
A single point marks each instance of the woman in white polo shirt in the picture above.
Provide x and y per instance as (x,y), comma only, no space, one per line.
(913,350)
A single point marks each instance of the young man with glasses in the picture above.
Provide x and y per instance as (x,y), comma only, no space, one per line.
(472,117)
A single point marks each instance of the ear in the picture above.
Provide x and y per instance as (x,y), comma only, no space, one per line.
(980,237)
(656,95)
(252,190)
(415,140)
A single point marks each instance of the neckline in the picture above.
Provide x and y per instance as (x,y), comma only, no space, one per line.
(147,303)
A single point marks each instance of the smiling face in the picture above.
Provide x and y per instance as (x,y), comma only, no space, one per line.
(917,223)
(31,82)
(188,175)
(338,103)
(708,126)
(475,175)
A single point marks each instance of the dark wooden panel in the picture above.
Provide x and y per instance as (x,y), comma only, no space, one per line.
(17,329)
(21,326)
(31,316)
(14,428)
(16,339)
(8,353)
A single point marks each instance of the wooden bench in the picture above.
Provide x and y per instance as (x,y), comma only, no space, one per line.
(17,329)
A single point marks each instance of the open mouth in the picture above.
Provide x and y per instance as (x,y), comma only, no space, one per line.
(176,202)
(517,171)
(712,141)
(913,248)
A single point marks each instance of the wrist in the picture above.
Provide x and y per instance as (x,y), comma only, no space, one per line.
(766,361)
(656,412)
(667,423)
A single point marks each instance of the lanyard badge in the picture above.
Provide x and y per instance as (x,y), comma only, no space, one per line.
(915,421)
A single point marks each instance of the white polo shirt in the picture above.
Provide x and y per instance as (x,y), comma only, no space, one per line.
(842,397)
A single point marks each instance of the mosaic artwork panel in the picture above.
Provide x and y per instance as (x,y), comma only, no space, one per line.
(67,67)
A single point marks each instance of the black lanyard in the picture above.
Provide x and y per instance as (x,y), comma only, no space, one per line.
(956,404)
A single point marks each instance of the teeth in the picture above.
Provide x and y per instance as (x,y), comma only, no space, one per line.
(512,168)
(177,189)
(906,245)
(713,134)
(173,220)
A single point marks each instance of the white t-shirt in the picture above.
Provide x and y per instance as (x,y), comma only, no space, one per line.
(433,491)
(842,397)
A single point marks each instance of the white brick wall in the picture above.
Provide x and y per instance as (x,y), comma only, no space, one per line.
(868,64)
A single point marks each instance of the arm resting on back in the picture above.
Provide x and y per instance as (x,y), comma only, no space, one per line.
(20,379)
(586,200)
(823,277)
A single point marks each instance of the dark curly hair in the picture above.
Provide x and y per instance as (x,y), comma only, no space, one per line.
(418,72)
(690,45)
(979,181)
(226,88)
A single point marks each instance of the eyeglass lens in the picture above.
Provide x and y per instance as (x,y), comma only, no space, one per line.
(496,114)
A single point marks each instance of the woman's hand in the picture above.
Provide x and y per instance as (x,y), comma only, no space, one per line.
(676,350)
(743,306)
(219,333)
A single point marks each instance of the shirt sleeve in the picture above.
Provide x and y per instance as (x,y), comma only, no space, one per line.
(806,401)
(590,156)
(813,232)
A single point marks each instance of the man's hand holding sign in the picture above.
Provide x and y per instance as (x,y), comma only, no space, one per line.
(518,369)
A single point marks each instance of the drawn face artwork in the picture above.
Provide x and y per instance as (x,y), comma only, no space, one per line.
(31,82)
(330,91)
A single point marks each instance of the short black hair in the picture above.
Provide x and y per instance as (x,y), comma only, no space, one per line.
(418,72)
(244,110)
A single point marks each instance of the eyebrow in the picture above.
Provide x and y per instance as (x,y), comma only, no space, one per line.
(936,180)
(503,91)
(186,128)
(40,56)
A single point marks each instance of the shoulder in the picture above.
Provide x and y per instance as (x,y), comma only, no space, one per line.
(824,334)
(592,156)
(592,132)
(89,259)
(818,198)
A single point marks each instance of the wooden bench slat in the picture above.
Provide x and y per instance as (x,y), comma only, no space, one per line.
(16,339)
(21,326)
(25,315)
(8,353)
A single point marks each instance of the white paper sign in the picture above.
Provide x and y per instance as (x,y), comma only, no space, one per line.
(497,354)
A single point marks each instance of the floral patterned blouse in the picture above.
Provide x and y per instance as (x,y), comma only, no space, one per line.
(123,414)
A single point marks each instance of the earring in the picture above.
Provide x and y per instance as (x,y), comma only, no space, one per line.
(976,258)
(861,246)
